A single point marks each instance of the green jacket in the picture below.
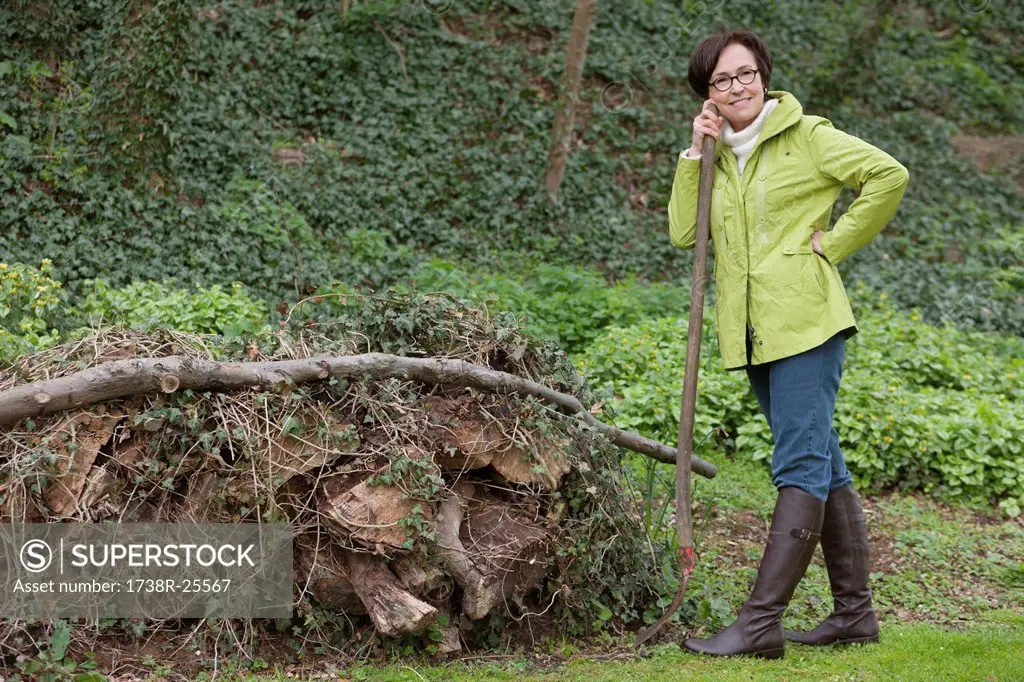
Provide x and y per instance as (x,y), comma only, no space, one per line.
(768,278)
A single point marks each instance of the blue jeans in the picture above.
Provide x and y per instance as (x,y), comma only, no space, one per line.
(798,398)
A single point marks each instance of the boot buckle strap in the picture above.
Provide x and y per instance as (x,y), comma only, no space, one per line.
(805,535)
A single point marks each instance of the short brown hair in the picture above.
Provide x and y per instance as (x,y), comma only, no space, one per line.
(705,56)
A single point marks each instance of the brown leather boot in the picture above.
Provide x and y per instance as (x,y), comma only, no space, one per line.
(796,525)
(844,542)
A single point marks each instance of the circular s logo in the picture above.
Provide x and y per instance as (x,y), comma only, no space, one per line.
(616,97)
(437,6)
(36,556)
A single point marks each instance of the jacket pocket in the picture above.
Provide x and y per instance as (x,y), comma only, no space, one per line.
(808,279)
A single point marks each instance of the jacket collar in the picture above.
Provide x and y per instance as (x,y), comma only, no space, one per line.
(786,113)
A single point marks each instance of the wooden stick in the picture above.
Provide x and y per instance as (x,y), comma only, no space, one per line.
(684,523)
(142,376)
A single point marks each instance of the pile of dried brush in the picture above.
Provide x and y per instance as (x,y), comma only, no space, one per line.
(418,505)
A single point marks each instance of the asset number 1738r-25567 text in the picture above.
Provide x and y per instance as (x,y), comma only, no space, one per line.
(196,585)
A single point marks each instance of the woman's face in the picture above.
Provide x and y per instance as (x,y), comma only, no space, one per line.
(740,104)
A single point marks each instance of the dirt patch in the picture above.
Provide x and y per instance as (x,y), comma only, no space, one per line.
(996,154)
(544,88)
(496,29)
(733,533)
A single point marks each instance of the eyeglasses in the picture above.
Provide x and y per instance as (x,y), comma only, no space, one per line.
(745,77)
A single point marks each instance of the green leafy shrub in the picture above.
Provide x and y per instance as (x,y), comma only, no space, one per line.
(570,306)
(30,302)
(147,305)
(944,357)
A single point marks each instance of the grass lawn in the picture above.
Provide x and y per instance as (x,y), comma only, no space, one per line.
(987,650)
(907,652)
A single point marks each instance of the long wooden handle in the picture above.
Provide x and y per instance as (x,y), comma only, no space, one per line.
(684,454)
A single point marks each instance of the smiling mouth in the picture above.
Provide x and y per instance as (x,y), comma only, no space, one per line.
(740,100)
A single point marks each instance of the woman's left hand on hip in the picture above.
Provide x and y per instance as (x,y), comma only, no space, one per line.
(816,242)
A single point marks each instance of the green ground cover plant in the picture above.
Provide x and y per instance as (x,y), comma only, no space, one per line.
(920,407)
(30,303)
(150,305)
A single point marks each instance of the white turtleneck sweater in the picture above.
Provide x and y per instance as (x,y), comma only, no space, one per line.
(742,142)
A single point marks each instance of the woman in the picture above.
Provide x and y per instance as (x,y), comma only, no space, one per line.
(784,317)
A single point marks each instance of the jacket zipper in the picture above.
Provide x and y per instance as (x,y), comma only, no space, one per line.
(762,227)
(718,211)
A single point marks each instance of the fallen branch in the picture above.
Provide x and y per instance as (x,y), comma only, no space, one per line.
(141,376)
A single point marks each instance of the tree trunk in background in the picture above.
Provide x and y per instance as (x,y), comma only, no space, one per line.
(561,135)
